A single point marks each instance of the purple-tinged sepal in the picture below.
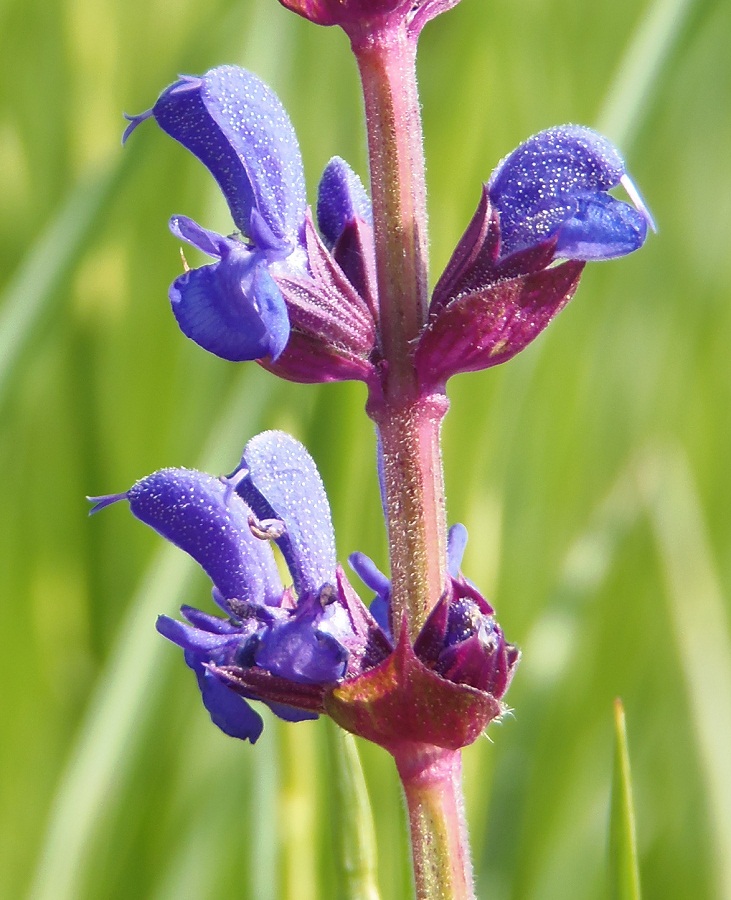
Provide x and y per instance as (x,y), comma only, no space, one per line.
(489,326)
(345,219)
(360,18)
(547,201)
(333,328)
(403,701)
(445,688)
(462,642)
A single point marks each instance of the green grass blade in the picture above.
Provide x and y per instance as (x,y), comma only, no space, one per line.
(352,822)
(700,623)
(641,69)
(35,288)
(623,869)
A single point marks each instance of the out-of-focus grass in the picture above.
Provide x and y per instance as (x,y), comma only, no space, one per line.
(592,471)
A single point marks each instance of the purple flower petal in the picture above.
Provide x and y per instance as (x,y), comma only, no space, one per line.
(208,520)
(207,643)
(230,712)
(601,228)
(299,652)
(240,131)
(209,242)
(456,544)
(232,307)
(559,179)
(291,713)
(341,198)
(278,479)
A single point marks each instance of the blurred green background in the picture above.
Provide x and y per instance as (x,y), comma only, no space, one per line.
(593,471)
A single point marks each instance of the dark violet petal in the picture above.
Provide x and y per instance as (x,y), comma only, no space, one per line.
(232,308)
(291,713)
(203,644)
(209,242)
(372,577)
(341,198)
(237,127)
(205,622)
(456,544)
(231,713)
(369,573)
(601,228)
(299,652)
(541,184)
(464,620)
(209,521)
(279,480)
(380,609)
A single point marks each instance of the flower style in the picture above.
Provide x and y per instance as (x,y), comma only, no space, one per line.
(312,647)
(274,284)
(546,201)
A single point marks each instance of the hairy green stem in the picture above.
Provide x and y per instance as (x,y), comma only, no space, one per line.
(432,781)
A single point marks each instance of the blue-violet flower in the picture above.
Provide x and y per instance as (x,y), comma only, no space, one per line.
(544,213)
(275,292)
(313,647)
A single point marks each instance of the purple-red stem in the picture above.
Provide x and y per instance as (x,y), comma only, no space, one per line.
(408,421)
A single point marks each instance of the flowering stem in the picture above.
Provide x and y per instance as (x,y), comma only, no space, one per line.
(414,499)
(387,64)
(432,779)
(408,422)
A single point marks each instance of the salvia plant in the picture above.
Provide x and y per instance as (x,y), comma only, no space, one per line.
(340,293)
